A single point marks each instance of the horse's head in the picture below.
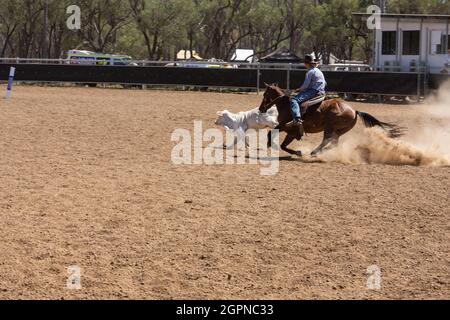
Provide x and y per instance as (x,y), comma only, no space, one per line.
(271,95)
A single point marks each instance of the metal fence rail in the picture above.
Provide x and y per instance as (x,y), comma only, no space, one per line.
(151,63)
(436,81)
(235,75)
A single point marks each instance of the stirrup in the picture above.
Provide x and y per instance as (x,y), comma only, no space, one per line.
(294,123)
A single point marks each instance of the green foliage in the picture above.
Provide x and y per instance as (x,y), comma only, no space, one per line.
(419,6)
(158,29)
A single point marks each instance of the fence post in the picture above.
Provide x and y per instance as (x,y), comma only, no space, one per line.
(288,80)
(12,72)
(425,82)
(257,79)
(418,84)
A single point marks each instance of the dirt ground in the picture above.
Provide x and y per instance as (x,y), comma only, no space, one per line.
(86,179)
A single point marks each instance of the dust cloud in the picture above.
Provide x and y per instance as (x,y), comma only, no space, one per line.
(426,144)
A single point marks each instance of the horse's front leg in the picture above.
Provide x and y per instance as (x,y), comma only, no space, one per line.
(286,143)
(269,136)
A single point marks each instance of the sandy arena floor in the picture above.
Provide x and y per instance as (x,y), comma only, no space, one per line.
(87,179)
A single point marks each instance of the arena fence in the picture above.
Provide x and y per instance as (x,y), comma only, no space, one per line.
(244,76)
(437,80)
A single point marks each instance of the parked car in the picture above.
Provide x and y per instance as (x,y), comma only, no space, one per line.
(101,59)
(347,67)
(209,64)
(83,57)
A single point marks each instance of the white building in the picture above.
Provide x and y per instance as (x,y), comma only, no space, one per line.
(405,39)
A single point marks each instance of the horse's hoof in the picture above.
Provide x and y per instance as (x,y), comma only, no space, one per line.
(314,154)
(298,154)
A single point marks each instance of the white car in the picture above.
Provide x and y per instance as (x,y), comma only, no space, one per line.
(210,64)
(347,67)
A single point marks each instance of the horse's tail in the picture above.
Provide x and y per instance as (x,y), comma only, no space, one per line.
(393,130)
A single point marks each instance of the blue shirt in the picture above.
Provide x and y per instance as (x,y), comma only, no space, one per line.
(314,80)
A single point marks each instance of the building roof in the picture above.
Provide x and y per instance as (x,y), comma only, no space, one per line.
(282,55)
(406,16)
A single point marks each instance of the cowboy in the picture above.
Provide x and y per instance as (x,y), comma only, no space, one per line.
(313,86)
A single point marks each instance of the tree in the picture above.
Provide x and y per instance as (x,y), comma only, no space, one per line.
(158,29)
(101,20)
(158,21)
(419,6)
(9,23)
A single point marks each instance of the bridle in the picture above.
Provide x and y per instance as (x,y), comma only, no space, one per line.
(266,106)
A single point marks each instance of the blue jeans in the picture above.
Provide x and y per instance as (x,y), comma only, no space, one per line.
(299,99)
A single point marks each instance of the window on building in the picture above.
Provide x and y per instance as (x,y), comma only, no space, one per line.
(436,42)
(439,42)
(441,48)
(411,43)
(389,46)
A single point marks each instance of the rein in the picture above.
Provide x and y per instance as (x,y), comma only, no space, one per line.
(272,103)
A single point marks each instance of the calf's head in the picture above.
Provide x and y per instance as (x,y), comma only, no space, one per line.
(268,120)
(225,119)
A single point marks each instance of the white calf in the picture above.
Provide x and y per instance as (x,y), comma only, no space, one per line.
(243,121)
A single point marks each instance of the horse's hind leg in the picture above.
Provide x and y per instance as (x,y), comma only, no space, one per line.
(286,143)
(329,137)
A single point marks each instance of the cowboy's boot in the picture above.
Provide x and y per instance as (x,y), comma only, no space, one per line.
(297,123)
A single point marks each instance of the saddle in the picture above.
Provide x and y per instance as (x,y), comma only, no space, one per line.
(312,102)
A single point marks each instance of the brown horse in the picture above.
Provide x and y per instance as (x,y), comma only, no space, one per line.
(334,117)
